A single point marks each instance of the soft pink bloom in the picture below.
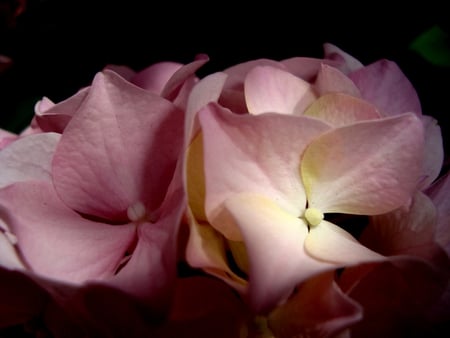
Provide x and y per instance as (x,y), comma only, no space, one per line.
(93,209)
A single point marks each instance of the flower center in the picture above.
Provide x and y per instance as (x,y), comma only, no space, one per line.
(313,216)
(136,212)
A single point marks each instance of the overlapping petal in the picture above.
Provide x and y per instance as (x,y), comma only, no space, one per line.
(365,168)
(250,154)
(332,80)
(120,148)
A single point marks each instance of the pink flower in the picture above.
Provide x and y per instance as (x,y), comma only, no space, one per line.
(93,210)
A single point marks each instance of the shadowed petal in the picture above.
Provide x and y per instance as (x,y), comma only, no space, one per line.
(331,80)
(365,168)
(433,152)
(155,77)
(385,85)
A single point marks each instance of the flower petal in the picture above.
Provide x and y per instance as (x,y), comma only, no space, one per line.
(366,168)
(385,85)
(93,168)
(271,90)
(331,80)
(318,308)
(434,151)
(330,243)
(274,242)
(347,63)
(339,109)
(245,153)
(57,242)
(156,76)
(28,158)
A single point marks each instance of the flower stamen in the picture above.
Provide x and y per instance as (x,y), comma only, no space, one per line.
(313,216)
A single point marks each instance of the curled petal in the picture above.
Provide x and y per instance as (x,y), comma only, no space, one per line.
(269,89)
(155,77)
(274,240)
(330,243)
(318,308)
(365,168)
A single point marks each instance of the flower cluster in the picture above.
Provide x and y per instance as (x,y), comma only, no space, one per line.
(294,198)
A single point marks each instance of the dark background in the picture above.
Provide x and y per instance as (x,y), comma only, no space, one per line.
(58,45)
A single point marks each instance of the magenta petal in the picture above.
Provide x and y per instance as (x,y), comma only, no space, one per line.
(57,242)
(365,168)
(120,149)
(245,153)
(28,158)
(274,241)
(385,85)
(318,309)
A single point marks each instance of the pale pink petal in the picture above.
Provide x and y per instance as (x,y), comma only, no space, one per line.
(155,77)
(271,90)
(9,257)
(125,71)
(434,151)
(120,149)
(330,243)
(440,195)
(28,158)
(330,80)
(274,241)
(317,309)
(175,82)
(55,117)
(365,168)
(385,85)
(58,243)
(305,68)
(206,90)
(407,230)
(6,137)
(347,63)
(338,109)
(43,105)
(245,153)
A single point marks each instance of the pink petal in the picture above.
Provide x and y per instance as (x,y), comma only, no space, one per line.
(434,151)
(274,242)
(338,109)
(57,242)
(330,79)
(9,257)
(440,195)
(305,68)
(330,243)
(105,161)
(55,117)
(155,77)
(28,158)
(407,230)
(150,273)
(365,168)
(384,84)
(347,63)
(43,105)
(269,89)
(124,71)
(317,309)
(244,153)
(175,82)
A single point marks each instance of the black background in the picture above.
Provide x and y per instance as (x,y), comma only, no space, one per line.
(57,46)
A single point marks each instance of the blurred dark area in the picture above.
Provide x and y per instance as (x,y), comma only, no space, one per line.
(56,47)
